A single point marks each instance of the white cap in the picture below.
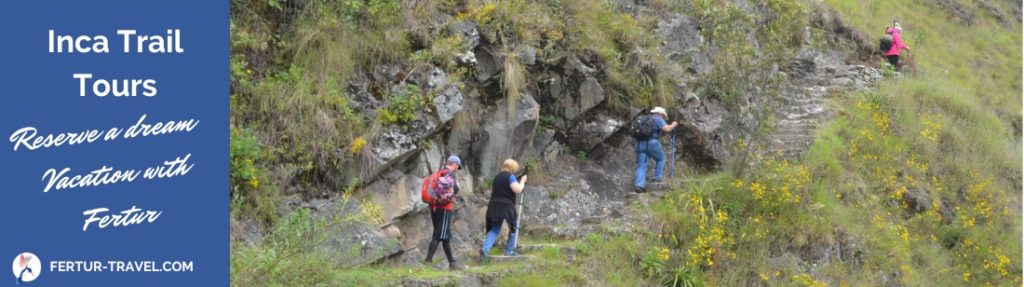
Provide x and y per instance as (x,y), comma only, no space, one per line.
(659,110)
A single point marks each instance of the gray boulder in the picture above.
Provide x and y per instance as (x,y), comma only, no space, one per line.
(506,135)
(392,144)
(397,143)
(467,58)
(487,64)
(386,73)
(576,197)
(918,199)
(682,42)
(527,55)
(468,31)
(350,244)
(448,102)
(703,135)
(436,79)
(398,193)
(589,95)
(362,101)
(593,132)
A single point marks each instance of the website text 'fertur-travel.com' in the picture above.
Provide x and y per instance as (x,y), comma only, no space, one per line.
(118,266)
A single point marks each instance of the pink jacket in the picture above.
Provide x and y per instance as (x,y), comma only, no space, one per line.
(897,42)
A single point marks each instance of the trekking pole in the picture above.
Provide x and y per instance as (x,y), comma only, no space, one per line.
(519,216)
(672,171)
(519,210)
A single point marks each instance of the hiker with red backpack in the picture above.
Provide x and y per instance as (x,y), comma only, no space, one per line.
(439,191)
(891,47)
(501,208)
(646,129)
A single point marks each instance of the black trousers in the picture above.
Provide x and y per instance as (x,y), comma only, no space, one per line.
(442,220)
(894,60)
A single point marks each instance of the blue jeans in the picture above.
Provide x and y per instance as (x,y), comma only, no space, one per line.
(644,149)
(492,235)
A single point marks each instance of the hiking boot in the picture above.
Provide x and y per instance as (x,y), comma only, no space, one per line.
(656,180)
(483,257)
(638,189)
(511,254)
(455,266)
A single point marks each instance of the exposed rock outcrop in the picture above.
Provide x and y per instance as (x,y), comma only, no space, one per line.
(585,156)
(505,135)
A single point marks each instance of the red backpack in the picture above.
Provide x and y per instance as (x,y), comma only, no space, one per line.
(438,188)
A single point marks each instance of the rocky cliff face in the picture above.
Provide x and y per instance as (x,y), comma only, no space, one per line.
(563,126)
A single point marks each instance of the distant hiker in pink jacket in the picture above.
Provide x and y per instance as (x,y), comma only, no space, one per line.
(897,44)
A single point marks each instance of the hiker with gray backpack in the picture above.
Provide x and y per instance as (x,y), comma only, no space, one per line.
(646,129)
(892,43)
(439,191)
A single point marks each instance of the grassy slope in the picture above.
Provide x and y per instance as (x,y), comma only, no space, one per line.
(945,133)
(951,125)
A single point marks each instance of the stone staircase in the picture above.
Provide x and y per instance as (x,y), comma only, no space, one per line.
(800,115)
(804,107)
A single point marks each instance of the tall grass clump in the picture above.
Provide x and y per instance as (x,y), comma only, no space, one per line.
(634,70)
(291,66)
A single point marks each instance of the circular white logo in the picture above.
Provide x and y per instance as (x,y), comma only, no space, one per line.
(26,267)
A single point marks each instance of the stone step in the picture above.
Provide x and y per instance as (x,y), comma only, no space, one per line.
(814,114)
(799,99)
(531,248)
(504,258)
(656,185)
(798,123)
(792,143)
(645,199)
(423,282)
(534,248)
(472,276)
(792,131)
(651,192)
(792,138)
(793,135)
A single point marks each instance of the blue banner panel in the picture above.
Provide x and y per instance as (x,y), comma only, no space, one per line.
(114,151)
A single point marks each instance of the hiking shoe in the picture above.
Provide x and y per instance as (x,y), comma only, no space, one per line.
(638,189)
(511,254)
(483,257)
(454,266)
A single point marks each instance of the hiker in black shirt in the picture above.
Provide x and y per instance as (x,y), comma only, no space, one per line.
(501,207)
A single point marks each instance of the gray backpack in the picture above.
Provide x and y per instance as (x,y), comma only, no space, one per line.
(642,127)
(885,43)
